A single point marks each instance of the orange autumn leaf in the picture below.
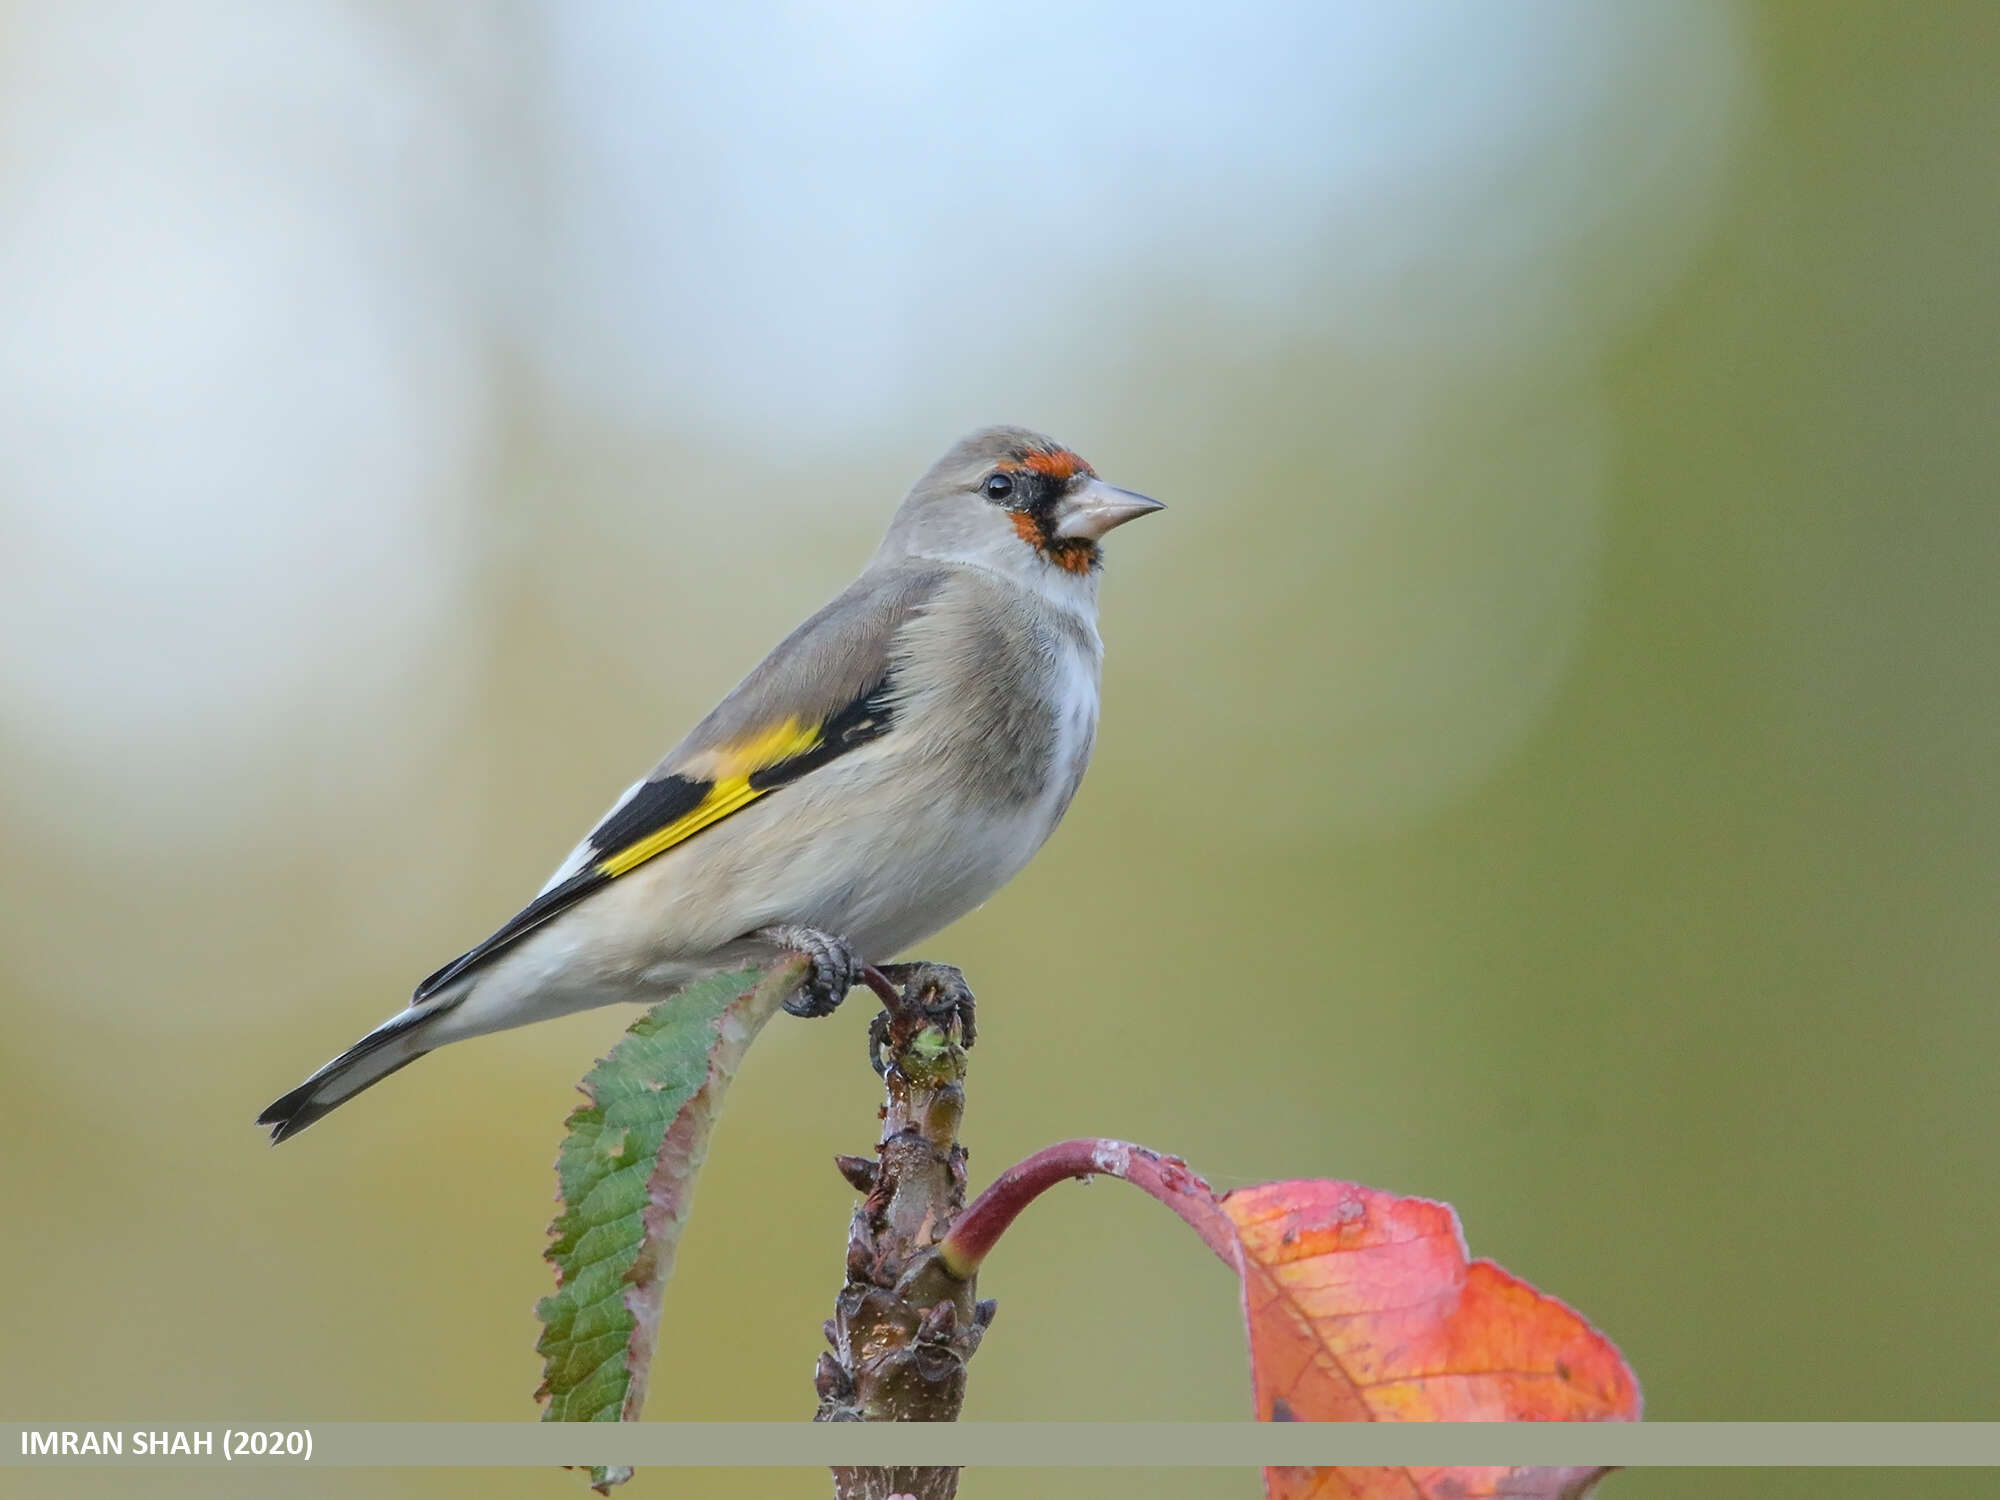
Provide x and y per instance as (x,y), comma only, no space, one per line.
(1362,1306)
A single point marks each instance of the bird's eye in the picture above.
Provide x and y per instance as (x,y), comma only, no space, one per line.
(998,486)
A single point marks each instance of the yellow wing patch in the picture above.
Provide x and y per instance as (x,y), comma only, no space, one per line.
(729,790)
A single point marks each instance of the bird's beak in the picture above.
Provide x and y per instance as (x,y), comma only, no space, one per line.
(1096,507)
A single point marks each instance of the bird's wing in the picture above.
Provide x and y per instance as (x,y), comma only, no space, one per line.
(825,691)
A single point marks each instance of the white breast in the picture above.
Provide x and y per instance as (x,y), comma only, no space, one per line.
(945,849)
(1075,696)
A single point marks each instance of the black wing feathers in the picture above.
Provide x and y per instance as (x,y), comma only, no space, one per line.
(660,803)
(654,805)
(866,718)
(554,900)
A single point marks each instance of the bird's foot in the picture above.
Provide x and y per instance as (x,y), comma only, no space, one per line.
(918,995)
(836,967)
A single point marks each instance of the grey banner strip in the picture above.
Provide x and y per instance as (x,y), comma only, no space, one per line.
(1005,1444)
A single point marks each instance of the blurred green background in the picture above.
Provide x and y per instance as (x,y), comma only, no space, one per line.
(1549,748)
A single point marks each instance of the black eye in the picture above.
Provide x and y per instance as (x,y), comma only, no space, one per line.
(998,487)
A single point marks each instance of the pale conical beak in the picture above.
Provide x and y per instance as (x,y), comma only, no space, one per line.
(1096,507)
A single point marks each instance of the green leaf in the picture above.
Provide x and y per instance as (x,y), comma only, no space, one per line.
(626,1175)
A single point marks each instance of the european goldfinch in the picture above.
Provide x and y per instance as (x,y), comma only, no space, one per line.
(895,761)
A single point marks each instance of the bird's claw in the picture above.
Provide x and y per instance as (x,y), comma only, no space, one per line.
(878,1044)
(939,991)
(928,994)
(836,968)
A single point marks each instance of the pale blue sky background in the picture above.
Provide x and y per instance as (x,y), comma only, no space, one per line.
(270,275)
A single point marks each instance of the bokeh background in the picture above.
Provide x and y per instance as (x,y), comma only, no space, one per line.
(1549,748)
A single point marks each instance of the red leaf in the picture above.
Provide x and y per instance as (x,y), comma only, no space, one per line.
(1362,1307)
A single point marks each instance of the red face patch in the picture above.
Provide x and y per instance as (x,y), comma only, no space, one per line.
(1071,554)
(1061,465)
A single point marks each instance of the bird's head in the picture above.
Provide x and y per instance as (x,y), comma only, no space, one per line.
(1013,500)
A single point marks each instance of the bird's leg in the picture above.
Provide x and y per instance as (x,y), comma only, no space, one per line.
(936,993)
(836,967)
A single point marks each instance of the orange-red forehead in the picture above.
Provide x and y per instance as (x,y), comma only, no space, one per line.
(1060,465)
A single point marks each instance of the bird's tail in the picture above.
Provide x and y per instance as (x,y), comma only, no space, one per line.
(396,1043)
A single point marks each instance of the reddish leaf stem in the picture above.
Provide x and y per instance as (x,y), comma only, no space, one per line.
(883,986)
(1167,1178)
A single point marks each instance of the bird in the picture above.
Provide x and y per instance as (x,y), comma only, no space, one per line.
(888,767)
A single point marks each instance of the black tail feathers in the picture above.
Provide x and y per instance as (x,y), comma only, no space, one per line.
(383,1051)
